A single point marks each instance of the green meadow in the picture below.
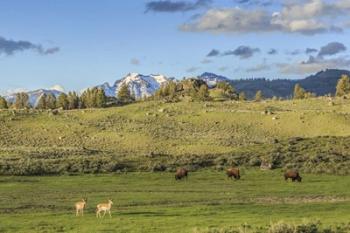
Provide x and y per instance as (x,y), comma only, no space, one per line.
(155,202)
(49,161)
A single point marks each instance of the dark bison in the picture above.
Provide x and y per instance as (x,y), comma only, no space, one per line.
(291,174)
(181,173)
(233,173)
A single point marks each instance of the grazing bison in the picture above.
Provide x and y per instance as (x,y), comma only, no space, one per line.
(233,173)
(181,173)
(291,174)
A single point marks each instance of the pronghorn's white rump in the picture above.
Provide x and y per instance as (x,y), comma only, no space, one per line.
(105,207)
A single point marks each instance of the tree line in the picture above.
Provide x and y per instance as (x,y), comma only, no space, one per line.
(90,98)
(194,89)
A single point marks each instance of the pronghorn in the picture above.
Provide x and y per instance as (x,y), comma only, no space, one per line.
(105,207)
(80,206)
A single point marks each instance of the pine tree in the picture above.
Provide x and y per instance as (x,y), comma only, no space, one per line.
(193,93)
(93,98)
(50,101)
(171,89)
(101,98)
(343,86)
(85,99)
(258,96)
(42,102)
(299,92)
(3,103)
(73,100)
(62,101)
(22,100)
(203,93)
(124,95)
(242,96)
(228,89)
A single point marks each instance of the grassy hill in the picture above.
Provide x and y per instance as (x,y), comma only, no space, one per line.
(312,135)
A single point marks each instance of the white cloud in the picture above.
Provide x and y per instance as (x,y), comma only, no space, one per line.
(305,17)
(258,67)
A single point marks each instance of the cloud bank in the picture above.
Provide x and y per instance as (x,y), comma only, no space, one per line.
(323,60)
(308,17)
(243,52)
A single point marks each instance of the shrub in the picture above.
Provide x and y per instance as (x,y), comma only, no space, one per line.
(281,227)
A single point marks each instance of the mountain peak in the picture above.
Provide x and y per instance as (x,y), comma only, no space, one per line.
(139,85)
(212,79)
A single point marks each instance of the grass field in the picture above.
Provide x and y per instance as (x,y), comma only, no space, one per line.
(108,153)
(151,136)
(155,202)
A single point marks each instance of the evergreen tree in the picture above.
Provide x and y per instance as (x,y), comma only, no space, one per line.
(124,95)
(167,91)
(228,89)
(62,101)
(343,86)
(299,92)
(85,98)
(192,91)
(3,103)
(101,98)
(258,96)
(93,98)
(42,102)
(50,101)
(73,100)
(242,96)
(22,100)
(170,90)
(203,93)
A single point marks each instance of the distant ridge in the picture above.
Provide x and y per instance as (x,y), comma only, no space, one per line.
(321,83)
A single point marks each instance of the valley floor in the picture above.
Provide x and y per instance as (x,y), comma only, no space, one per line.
(155,202)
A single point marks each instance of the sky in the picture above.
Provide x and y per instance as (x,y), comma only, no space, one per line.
(79,44)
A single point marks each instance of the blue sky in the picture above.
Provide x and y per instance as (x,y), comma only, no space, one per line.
(80,43)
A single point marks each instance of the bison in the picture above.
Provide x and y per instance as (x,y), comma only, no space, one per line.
(293,175)
(233,173)
(181,173)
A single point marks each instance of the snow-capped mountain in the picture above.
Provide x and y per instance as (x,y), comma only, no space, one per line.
(139,85)
(34,96)
(212,79)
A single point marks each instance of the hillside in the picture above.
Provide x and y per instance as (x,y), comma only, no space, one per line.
(321,83)
(158,136)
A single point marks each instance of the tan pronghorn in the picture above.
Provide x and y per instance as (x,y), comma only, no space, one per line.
(105,207)
(80,206)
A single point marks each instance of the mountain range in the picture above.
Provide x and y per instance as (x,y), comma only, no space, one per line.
(321,83)
(34,96)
